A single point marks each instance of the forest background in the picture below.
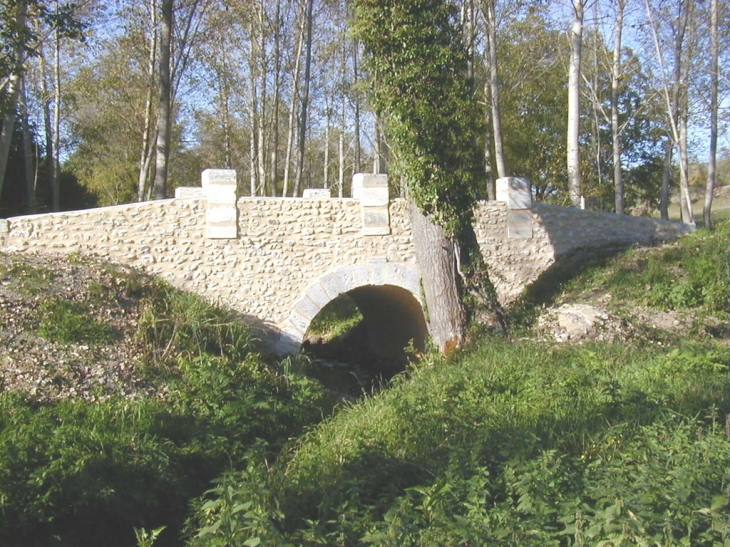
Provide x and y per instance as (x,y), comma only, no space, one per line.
(112,102)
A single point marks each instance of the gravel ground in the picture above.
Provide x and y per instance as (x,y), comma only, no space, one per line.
(50,369)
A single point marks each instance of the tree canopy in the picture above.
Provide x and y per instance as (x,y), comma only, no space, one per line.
(419,73)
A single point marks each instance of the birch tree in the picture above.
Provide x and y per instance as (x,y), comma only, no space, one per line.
(574,79)
(615,125)
(714,86)
(674,91)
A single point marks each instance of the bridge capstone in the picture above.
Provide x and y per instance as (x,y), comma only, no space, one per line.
(279,261)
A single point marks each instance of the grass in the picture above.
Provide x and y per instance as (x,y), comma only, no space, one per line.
(691,273)
(336,318)
(507,442)
(67,322)
(28,280)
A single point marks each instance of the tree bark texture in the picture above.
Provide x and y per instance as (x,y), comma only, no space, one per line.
(573,161)
(618,185)
(494,89)
(162,148)
(144,165)
(305,100)
(436,257)
(714,84)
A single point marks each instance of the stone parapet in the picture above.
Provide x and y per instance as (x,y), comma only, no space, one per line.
(219,188)
(372,192)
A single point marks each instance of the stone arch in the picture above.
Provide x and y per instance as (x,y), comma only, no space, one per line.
(388,295)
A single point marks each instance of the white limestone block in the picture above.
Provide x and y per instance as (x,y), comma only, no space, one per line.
(519,225)
(221,231)
(221,213)
(516,191)
(316,193)
(375,221)
(363,180)
(218,177)
(184,192)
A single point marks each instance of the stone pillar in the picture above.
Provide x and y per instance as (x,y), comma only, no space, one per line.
(372,191)
(221,213)
(517,192)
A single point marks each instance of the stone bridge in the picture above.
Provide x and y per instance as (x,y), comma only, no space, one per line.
(279,261)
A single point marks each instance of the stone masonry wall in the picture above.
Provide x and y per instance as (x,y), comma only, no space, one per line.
(283,246)
(292,256)
(516,261)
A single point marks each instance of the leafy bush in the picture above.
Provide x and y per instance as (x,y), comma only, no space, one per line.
(76,472)
(89,473)
(515,443)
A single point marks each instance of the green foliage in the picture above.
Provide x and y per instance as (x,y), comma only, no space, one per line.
(417,60)
(89,473)
(25,278)
(174,323)
(118,470)
(514,443)
(533,112)
(691,273)
(70,322)
(336,318)
(146,538)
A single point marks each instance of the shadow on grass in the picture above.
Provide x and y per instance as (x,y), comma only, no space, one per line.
(549,286)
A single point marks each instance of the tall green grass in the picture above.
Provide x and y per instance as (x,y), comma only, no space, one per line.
(513,444)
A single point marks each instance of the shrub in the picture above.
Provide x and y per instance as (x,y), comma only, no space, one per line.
(511,444)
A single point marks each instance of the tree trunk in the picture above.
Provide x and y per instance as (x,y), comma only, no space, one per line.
(6,137)
(488,141)
(436,255)
(274,173)
(261,114)
(666,179)
(683,116)
(56,181)
(162,148)
(618,184)
(381,152)
(253,112)
(293,108)
(685,197)
(144,165)
(46,100)
(27,150)
(341,137)
(355,76)
(491,19)
(576,43)
(305,100)
(12,92)
(677,99)
(714,84)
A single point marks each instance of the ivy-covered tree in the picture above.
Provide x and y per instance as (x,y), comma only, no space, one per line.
(418,68)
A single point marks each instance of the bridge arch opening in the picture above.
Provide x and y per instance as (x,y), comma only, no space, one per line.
(386,320)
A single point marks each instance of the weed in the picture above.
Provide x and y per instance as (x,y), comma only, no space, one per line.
(27,279)
(336,318)
(174,323)
(70,322)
